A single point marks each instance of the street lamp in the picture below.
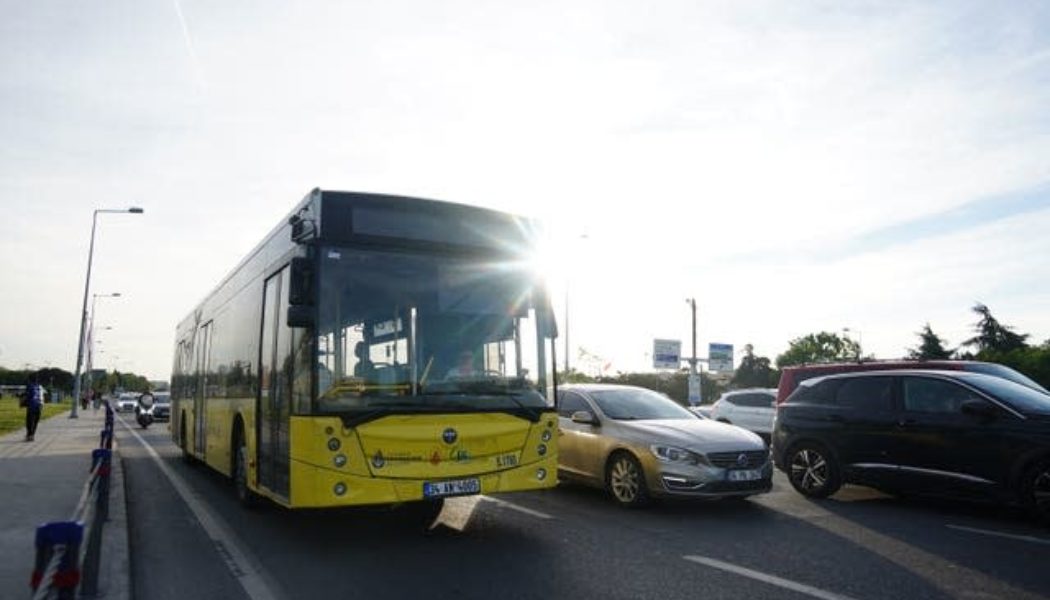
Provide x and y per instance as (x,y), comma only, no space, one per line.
(582,236)
(83,308)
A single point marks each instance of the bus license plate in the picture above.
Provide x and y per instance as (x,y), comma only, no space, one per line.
(455,487)
(745,475)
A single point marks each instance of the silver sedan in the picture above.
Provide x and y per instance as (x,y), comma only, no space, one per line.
(638,444)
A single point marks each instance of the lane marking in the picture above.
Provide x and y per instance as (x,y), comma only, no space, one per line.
(766,578)
(521,509)
(244,568)
(1009,536)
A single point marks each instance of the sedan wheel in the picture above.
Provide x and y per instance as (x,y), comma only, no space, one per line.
(1038,488)
(626,481)
(813,471)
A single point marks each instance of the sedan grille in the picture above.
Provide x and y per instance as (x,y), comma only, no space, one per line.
(731,460)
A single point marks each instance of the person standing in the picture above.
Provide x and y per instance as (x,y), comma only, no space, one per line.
(34,402)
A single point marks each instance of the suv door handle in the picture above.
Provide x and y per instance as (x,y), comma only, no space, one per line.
(906,422)
(836,418)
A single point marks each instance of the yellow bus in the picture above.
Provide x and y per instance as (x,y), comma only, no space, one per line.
(374,349)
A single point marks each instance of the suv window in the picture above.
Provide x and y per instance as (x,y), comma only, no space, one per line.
(752,400)
(867,393)
(570,403)
(935,396)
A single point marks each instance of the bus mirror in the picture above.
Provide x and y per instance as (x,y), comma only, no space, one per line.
(300,316)
(301,282)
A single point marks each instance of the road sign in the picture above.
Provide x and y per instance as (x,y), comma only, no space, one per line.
(667,354)
(720,357)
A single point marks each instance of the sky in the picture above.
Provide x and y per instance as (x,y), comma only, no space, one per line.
(794,167)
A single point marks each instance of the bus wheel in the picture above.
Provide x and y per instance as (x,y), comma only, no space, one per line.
(245,495)
(187,456)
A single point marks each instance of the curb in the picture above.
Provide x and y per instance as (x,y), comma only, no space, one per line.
(115,572)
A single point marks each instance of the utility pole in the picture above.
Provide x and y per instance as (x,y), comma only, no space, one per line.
(694,375)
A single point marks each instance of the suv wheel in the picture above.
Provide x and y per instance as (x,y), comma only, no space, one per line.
(812,471)
(626,481)
(1036,490)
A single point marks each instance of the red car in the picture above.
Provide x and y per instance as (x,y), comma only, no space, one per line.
(790,377)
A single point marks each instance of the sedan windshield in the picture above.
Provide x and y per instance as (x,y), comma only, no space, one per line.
(1019,397)
(638,404)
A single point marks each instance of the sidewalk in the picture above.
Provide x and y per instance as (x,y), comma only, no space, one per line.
(41,481)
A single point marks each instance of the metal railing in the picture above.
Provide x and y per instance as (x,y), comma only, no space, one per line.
(68,553)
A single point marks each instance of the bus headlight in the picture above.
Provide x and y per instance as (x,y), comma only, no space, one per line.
(339,489)
(541,449)
(541,474)
(546,435)
(334,444)
(339,460)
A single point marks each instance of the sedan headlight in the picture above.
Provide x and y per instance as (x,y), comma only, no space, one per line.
(671,454)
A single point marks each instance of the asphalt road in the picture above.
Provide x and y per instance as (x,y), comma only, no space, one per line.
(191,540)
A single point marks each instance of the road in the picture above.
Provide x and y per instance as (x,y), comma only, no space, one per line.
(190,539)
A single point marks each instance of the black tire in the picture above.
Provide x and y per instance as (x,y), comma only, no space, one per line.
(813,471)
(245,495)
(187,456)
(1035,491)
(625,480)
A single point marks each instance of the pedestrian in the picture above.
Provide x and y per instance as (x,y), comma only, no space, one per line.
(33,402)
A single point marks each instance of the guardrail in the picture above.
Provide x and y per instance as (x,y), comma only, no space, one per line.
(68,553)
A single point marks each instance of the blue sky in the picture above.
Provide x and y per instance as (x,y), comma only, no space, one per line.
(796,167)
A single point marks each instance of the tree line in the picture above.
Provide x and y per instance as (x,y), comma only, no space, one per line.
(992,342)
(103,382)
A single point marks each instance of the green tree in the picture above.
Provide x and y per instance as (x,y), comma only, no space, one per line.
(931,346)
(754,371)
(992,335)
(819,347)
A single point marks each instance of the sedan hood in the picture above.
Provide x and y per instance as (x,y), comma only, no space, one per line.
(692,434)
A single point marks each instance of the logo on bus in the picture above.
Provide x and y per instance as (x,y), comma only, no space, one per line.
(449,436)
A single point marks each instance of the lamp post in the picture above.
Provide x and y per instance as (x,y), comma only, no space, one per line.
(582,236)
(83,307)
(694,378)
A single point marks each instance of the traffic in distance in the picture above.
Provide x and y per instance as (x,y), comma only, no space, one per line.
(390,350)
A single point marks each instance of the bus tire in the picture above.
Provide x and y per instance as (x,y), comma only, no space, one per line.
(245,495)
(187,456)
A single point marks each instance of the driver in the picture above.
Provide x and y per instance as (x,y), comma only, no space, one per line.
(464,366)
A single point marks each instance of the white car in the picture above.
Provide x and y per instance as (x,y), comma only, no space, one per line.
(127,402)
(752,409)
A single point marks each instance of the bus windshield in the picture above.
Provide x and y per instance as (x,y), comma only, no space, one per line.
(414,333)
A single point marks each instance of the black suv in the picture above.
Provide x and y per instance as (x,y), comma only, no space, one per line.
(929,432)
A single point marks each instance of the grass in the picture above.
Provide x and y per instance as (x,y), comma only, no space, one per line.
(13,417)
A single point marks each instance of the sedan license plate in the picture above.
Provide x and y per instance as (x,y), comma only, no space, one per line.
(745,475)
(455,487)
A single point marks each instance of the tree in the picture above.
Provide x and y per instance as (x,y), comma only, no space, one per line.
(819,347)
(993,336)
(755,371)
(931,346)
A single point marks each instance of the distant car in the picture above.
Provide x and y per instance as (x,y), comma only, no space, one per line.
(161,406)
(790,377)
(638,444)
(127,402)
(951,433)
(752,409)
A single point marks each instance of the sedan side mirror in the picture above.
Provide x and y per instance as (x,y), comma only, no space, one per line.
(978,408)
(585,417)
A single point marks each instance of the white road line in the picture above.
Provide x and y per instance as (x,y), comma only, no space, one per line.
(766,578)
(521,509)
(1009,536)
(244,568)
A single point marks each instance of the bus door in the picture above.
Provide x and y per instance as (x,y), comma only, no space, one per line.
(273,412)
(199,412)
